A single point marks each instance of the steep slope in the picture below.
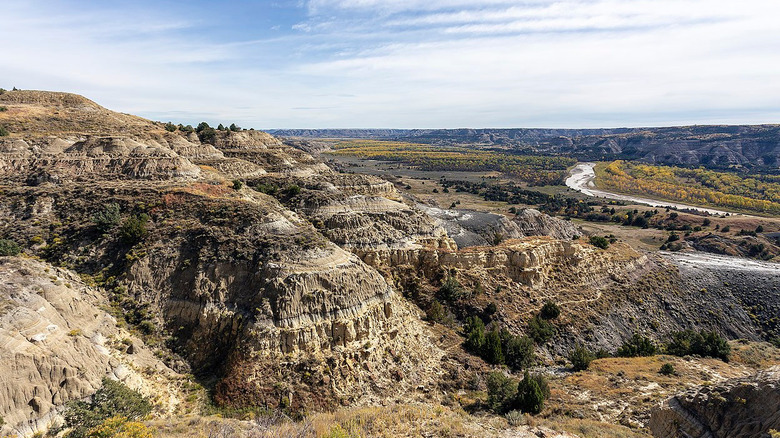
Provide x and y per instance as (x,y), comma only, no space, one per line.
(738,408)
(57,344)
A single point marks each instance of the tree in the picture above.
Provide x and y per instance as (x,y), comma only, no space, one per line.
(234,128)
(580,358)
(170,127)
(134,229)
(202,126)
(492,349)
(220,127)
(637,345)
(451,290)
(501,391)
(107,218)
(540,330)
(519,352)
(550,311)
(111,400)
(9,248)
(599,242)
(475,334)
(532,391)
(704,343)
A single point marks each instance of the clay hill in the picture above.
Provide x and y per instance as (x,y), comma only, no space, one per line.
(229,263)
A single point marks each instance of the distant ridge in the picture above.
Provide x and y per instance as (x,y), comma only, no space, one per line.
(714,146)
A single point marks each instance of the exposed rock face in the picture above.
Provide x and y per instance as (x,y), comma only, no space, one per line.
(475,228)
(744,407)
(56,345)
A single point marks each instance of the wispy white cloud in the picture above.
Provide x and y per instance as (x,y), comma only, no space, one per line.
(413,63)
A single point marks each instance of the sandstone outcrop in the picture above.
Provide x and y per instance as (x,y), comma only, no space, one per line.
(737,408)
(57,344)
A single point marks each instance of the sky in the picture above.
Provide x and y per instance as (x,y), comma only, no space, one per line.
(404,63)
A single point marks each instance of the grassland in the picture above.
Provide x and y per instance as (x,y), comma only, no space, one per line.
(754,193)
(532,169)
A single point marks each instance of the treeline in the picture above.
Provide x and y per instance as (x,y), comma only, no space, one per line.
(535,170)
(696,186)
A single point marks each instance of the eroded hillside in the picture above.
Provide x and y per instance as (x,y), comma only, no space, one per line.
(278,282)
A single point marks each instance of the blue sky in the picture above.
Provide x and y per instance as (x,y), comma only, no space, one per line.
(405,63)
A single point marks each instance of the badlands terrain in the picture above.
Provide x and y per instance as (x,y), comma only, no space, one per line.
(243,287)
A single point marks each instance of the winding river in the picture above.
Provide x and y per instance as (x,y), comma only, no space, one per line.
(581,179)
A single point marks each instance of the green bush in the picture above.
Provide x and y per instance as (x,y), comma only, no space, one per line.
(111,400)
(599,242)
(540,330)
(436,312)
(207,135)
(9,248)
(107,218)
(133,229)
(234,127)
(450,290)
(292,190)
(667,369)
(170,127)
(474,330)
(580,358)
(237,184)
(501,392)
(550,310)
(532,391)
(492,351)
(3,132)
(636,346)
(3,109)
(515,418)
(704,343)
(268,189)
(519,352)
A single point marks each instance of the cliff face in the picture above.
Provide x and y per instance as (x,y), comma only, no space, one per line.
(737,408)
(57,344)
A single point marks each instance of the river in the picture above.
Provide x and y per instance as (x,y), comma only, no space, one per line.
(582,176)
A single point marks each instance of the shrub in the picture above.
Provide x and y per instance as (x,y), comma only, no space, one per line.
(207,135)
(234,127)
(3,109)
(111,400)
(667,369)
(550,310)
(519,352)
(170,127)
(492,350)
(268,189)
(9,248)
(3,132)
(599,242)
(515,418)
(580,358)
(704,343)
(119,427)
(451,290)
(532,391)
(107,218)
(436,312)
(292,190)
(726,229)
(237,184)
(501,391)
(637,345)
(475,334)
(540,330)
(134,229)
